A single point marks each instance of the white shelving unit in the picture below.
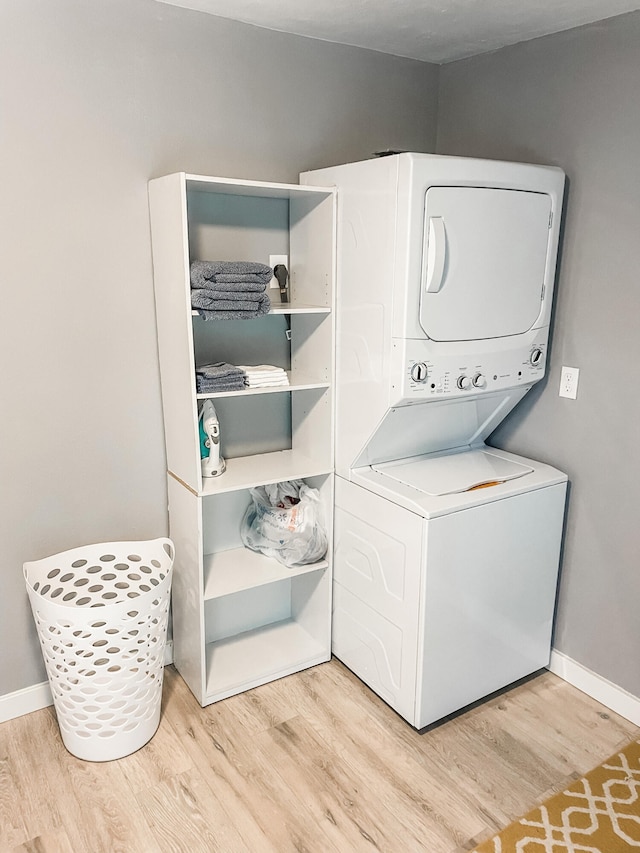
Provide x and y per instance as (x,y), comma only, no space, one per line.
(241,619)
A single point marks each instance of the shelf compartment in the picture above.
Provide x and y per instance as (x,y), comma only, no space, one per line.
(244,472)
(255,657)
(238,569)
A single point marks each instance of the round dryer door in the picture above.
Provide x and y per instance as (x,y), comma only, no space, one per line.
(484,258)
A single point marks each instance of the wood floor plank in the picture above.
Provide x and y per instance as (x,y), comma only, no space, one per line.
(497,778)
(12,827)
(41,787)
(212,753)
(262,708)
(293,823)
(55,841)
(430,805)
(185,817)
(223,741)
(162,758)
(107,817)
(579,740)
(347,804)
(90,802)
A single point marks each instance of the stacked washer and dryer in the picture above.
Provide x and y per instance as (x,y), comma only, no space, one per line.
(446,549)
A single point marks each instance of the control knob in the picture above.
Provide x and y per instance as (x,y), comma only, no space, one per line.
(536,357)
(463,382)
(419,372)
(479,381)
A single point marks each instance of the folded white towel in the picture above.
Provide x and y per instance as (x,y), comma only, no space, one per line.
(280,377)
(266,383)
(261,369)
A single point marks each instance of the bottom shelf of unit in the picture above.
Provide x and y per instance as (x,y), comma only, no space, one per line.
(255,657)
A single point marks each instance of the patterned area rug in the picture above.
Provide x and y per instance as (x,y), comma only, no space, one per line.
(599,813)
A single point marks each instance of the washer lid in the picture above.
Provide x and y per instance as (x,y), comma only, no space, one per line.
(453,473)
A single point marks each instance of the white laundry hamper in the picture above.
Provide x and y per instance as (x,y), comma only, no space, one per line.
(101,612)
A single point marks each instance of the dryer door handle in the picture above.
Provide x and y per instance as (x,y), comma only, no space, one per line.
(435,253)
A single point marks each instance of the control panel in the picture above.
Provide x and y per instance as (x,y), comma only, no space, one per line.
(421,374)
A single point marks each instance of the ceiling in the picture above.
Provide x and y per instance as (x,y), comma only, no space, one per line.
(430,30)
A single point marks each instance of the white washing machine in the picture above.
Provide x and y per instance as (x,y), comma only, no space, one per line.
(446,550)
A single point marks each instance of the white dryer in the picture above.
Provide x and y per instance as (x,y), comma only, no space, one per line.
(446,550)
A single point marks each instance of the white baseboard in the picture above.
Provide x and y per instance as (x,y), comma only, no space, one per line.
(25,701)
(613,697)
(39,696)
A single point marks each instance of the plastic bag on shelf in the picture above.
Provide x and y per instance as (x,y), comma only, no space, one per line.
(283,521)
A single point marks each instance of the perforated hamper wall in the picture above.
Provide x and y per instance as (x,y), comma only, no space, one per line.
(101,612)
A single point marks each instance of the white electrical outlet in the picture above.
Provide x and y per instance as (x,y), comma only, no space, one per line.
(274,260)
(569,382)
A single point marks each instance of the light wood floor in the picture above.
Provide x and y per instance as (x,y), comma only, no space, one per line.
(313,763)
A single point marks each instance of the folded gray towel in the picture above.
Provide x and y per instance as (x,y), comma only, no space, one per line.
(210,386)
(226,309)
(229,315)
(233,285)
(211,299)
(220,370)
(249,278)
(245,275)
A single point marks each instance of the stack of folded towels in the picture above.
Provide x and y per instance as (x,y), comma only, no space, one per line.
(264,376)
(230,290)
(220,376)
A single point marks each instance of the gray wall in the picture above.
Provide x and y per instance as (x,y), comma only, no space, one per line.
(572,100)
(96,98)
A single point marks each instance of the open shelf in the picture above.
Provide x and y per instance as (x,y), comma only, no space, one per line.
(264,189)
(285,308)
(244,472)
(240,568)
(255,657)
(296,385)
(289,308)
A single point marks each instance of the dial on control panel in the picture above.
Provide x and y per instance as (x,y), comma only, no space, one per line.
(536,357)
(463,382)
(419,372)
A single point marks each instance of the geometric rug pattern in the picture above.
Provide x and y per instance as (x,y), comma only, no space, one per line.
(599,813)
